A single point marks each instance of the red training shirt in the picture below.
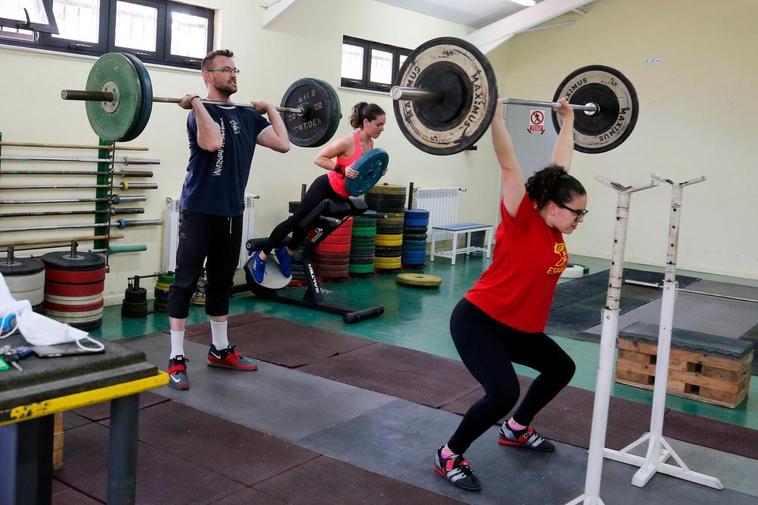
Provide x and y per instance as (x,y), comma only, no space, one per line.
(336,179)
(517,288)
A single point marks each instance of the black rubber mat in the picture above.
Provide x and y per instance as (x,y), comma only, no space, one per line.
(187,456)
(327,481)
(102,410)
(226,448)
(403,373)
(283,342)
(577,304)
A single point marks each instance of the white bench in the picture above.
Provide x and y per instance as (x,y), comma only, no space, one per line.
(461,228)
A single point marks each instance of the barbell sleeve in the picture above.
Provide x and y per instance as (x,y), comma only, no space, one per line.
(415,94)
(590,107)
(108,96)
(418,94)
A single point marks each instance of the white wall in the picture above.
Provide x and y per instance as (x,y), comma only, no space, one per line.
(697,117)
(305,41)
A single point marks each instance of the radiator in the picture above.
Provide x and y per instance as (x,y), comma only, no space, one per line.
(171,231)
(442,204)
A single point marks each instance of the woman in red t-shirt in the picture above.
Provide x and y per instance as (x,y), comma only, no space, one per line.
(501,319)
(337,157)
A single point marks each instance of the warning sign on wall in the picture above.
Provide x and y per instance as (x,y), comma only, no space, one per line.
(536,122)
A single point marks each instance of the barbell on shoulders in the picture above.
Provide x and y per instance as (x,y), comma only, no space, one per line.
(446,96)
(119,96)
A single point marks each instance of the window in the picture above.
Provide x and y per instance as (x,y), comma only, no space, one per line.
(370,65)
(24,17)
(157,31)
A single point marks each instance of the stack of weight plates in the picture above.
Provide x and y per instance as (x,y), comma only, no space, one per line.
(161,292)
(362,247)
(388,200)
(414,238)
(25,278)
(198,297)
(74,288)
(331,257)
(135,302)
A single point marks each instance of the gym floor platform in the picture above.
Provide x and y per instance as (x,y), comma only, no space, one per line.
(329,417)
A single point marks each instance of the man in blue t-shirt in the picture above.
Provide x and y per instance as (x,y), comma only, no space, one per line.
(222,141)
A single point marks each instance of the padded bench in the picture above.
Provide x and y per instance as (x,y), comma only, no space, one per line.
(457,229)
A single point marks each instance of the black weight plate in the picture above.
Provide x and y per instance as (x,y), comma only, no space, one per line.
(63,260)
(321,112)
(293,207)
(455,123)
(147,98)
(20,266)
(616,99)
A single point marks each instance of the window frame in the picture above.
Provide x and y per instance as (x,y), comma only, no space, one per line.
(107,35)
(365,83)
(194,11)
(50,27)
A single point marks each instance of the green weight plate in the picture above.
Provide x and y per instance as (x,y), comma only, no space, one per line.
(467,80)
(388,189)
(617,102)
(147,98)
(119,120)
(321,112)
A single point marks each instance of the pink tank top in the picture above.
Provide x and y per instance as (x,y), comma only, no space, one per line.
(336,179)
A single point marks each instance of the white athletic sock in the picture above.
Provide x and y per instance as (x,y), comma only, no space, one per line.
(177,343)
(218,334)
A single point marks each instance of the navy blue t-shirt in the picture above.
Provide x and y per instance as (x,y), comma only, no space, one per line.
(215,182)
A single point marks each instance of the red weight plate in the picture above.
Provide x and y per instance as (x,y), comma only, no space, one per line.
(73,276)
(54,288)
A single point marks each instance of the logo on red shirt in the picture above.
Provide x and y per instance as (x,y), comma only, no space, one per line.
(560,249)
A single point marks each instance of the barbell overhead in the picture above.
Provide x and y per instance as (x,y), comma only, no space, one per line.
(416,94)
(119,98)
(446,96)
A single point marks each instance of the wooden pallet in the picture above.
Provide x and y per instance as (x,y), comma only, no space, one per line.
(703,377)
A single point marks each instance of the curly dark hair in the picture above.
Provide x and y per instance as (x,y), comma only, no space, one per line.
(554,184)
(208,60)
(363,110)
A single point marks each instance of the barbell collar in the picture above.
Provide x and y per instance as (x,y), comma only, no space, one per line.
(108,96)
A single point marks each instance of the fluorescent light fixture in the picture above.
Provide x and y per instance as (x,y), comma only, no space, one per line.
(525,3)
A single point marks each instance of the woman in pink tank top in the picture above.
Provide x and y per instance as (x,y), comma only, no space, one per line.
(337,157)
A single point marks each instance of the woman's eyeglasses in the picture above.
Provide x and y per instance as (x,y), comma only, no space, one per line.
(578,213)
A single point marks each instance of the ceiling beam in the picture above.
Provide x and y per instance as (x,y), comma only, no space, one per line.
(273,9)
(494,34)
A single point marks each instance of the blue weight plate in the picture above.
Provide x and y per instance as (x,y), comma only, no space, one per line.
(416,214)
(421,223)
(370,168)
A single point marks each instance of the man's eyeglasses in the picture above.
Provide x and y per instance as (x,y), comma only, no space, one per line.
(578,213)
(226,70)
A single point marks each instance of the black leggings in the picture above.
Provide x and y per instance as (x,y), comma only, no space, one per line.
(489,348)
(320,190)
(204,236)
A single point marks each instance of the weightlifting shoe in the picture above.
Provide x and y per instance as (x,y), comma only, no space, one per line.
(456,471)
(527,439)
(177,373)
(256,267)
(285,261)
(230,358)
